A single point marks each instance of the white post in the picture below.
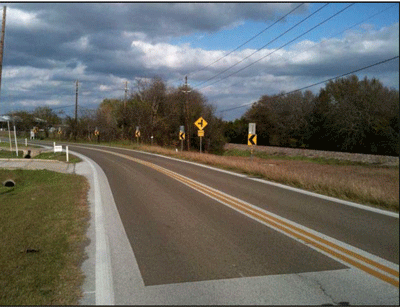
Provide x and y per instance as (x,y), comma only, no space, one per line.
(16,144)
(26,142)
(66,149)
(9,135)
(54,147)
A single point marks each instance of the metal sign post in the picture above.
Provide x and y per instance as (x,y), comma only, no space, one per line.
(200,123)
(137,134)
(9,135)
(16,144)
(182,135)
(200,133)
(252,137)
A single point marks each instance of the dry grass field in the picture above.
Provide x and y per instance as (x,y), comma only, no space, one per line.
(366,183)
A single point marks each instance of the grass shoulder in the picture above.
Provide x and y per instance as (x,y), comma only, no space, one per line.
(43,224)
(46,155)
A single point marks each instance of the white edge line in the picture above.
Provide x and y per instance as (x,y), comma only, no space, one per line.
(253,208)
(311,231)
(104,282)
(298,190)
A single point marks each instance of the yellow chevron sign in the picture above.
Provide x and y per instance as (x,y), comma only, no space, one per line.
(252,140)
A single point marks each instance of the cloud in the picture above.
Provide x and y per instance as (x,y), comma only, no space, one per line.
(20,19)
(48,46)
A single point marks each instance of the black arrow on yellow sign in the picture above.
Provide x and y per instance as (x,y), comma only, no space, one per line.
(181,136)
(252,139)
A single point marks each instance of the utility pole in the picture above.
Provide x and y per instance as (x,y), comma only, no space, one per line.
(3,30)
(126,93)
(187,113)
(76,110)
(124,111)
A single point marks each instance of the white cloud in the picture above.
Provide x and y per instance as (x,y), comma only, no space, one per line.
(103,45)
(21,19)
(104,88)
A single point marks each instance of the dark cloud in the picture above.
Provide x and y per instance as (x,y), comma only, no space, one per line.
(50,45)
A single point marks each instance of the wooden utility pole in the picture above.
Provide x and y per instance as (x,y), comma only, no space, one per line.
(126,93)
(187,113)
(124,111)
(3,30)
(76,110)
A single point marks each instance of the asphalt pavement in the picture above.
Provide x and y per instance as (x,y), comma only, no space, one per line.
(153,241)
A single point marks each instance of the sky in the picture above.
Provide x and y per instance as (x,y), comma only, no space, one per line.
(48,46)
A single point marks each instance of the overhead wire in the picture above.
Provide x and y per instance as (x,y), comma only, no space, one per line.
(262,47)
(308,31)
(249,40)
(338,33)
(317,83)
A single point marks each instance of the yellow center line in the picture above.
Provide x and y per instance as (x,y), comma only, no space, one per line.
(277,223)
(263,214)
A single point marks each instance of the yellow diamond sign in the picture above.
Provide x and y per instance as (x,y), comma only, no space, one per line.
(200,123)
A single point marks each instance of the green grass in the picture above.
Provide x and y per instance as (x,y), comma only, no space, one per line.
(5,144)
(8,154)
(61,156)
(43,222)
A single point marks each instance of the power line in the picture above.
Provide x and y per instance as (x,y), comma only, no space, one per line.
(364,20)
(62,107)
(315,84)
(318,25)
(262,47)
(249,40)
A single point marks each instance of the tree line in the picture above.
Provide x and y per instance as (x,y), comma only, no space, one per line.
(158,111)
(348,114)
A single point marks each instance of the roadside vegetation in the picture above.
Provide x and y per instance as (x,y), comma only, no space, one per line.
(60,156)
(49,155)
(363,183)
(43,225)
(347,115)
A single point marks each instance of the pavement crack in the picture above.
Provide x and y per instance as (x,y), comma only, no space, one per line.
(324,291)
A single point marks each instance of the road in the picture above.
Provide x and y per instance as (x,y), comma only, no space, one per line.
(206,237)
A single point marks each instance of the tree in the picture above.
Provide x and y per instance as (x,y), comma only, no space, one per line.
(359,116)
(159,112)
(281,119)
(236,131)
(46,118)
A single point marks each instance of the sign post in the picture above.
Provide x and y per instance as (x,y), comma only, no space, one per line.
(137,134)
(182,135)
(16,144)
(200,123)
(252,137)
(97,134)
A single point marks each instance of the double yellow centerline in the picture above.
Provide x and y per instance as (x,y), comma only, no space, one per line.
(313,239)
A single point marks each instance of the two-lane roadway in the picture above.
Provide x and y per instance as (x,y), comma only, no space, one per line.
(204,236)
